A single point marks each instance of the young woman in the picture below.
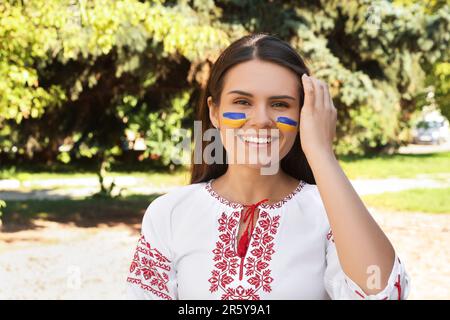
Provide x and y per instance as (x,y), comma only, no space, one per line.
(235,233)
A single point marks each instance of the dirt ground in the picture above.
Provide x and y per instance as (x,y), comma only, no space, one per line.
(65,261)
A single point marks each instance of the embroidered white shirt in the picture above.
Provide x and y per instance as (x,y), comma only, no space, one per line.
(187,250)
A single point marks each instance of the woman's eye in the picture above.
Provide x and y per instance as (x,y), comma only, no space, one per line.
(243,102)
(279,104)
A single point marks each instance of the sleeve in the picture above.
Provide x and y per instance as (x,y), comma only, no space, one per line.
(340,287)
(151,275)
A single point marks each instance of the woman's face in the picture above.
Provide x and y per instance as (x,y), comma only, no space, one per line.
(256,94)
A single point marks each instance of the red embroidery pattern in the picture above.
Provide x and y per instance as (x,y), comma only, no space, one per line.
(257,259)
(236,205)
(149,269)
(359,294)
(396,284)
(330,236)
(399,288)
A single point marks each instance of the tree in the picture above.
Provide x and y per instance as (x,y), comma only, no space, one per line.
(77,77)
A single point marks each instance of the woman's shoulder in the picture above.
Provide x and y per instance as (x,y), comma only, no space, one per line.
(175,199)
(306,190)
(310,200)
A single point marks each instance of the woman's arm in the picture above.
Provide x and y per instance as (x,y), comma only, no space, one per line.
(362,246)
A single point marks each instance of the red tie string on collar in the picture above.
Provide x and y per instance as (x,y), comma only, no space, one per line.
(245,238)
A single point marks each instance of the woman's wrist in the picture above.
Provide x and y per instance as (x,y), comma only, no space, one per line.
(320,157)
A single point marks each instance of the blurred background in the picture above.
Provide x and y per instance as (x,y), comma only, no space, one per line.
(93,92)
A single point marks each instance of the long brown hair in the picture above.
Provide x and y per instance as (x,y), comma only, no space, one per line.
(254,46)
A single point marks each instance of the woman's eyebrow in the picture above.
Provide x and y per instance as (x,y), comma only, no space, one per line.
(250,95)
(282,97)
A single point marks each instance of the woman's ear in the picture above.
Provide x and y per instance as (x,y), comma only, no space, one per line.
(213,112)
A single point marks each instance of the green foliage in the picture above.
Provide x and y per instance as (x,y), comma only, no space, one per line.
(440,79)
(373,55)
(68,67)
(77,77)
(164,126)
(438,72)
(2,205)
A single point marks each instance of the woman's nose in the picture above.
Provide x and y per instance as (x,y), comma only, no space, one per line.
(261,117)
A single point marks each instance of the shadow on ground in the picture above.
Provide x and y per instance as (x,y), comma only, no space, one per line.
(88,212)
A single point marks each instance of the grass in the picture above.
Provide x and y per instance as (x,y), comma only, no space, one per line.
(151,178)
(433,165)
(427,200)
(130,209)
(86,211)
(397,165)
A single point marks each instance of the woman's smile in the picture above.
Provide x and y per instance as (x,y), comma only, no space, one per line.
(258,141)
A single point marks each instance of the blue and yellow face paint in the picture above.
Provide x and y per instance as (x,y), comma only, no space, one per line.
(286,124)
(234,119)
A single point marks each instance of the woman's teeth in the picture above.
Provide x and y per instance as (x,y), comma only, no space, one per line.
(256,140)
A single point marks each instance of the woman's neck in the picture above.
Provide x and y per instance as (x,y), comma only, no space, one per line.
(246,185)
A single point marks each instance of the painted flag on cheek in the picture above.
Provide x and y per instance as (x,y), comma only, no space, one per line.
(286,124)
(234,119)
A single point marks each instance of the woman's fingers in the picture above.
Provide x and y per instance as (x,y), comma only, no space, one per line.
(329,100)
(308,88)
(326,96)
(318,93)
